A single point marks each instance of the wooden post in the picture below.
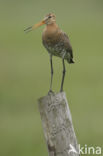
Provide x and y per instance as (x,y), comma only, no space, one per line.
(57,124)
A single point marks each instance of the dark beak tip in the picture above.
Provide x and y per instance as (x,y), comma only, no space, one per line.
(28,29)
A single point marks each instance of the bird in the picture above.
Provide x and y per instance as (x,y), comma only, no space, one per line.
(56,42)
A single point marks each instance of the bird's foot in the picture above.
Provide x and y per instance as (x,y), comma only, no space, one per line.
(61,90)
(50,92)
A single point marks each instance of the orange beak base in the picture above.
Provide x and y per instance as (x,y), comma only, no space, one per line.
(34,26)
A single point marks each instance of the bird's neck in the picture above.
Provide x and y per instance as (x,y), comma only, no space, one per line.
(52,25)
(51,28)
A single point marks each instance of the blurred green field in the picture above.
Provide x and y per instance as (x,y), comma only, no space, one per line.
(25,72)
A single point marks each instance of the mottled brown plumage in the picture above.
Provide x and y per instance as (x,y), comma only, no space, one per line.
(56,42)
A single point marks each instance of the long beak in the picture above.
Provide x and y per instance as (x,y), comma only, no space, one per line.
(34,26)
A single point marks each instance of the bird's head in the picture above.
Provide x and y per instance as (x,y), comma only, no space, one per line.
(48,19)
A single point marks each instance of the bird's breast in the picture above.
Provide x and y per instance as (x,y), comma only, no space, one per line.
(56,42)
(54,45)
(50,37)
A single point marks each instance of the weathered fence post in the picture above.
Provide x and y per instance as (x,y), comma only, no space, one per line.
(57,124)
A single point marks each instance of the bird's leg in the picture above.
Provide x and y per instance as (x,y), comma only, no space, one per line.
(63,75)
(51,64)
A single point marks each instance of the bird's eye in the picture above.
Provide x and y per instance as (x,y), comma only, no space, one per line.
(49,16)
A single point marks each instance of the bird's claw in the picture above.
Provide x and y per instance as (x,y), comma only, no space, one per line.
(50,92)
(61,90)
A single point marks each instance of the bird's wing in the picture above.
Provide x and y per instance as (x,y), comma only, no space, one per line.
(66,42)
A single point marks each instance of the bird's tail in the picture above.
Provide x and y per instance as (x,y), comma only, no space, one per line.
(70,61)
